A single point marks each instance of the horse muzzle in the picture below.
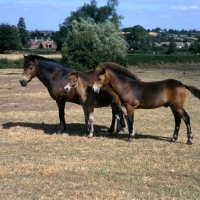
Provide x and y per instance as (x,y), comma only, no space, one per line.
(96,88)
(67,89)
(23,82)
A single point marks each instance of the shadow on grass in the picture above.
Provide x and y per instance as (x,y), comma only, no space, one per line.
(77,129)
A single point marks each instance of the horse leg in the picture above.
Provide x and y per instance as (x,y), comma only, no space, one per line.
(91,119)
(117,114)
(186,119)
(61,109)
(120,121)
(86,114)
(112,126)
(130,119)
(177,119)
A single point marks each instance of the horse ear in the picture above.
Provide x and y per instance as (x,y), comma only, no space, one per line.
(76,74)
(103,70)
(24,55)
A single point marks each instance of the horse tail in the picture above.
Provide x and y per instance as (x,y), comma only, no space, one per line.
(195,91)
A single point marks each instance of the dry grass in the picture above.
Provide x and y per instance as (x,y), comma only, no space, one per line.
(18,56)
(153,33)
(37,164)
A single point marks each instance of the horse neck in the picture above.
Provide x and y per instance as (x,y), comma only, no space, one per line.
(45,73)
(83,86)
(116,82)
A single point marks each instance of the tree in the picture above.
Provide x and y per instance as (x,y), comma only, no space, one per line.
(61,37)
(195,47)
(87,44)
(22,29)
(9,38)
(137,37)
(171,47)
(90,12)
(36,34)
(96,14)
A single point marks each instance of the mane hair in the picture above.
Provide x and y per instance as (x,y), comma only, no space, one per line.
(32,57)
(48,62)
(82,76)
(118,69)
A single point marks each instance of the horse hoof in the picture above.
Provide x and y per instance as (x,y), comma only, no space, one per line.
(189,142)
(173,139)
(128,140)
(116,134)
(110,130)
(59,132)
(89,136)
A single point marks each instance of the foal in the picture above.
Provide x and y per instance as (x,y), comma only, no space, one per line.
(147,95)
(83,87)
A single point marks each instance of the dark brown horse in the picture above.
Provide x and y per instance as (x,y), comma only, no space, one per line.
(54,75)
(147,95)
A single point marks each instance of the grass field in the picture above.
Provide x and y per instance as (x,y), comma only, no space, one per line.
(37,164)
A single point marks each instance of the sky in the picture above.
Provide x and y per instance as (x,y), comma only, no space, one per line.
(150,14)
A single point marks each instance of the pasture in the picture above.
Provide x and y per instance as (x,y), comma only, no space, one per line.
(37,164)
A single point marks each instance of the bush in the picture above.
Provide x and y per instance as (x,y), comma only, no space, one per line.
(151,59)
(88,44)
(11,64)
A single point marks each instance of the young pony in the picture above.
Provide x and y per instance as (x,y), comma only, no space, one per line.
(147,95)
(82,86)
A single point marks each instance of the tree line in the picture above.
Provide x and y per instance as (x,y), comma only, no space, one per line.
(92,34)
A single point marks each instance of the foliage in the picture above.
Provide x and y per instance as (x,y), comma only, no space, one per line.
(92,13)
(61,37)
(36,34)
(96,14)
(172,47)
(161,59)
(87,44)
(11,64)
(23,32)
(9,38)
(195,47)
(137,38)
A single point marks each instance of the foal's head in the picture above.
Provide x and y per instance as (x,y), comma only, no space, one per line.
(71,81)
(102,79)
(30,70)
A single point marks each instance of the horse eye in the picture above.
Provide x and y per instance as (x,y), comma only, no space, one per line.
(31,67)
(99,79)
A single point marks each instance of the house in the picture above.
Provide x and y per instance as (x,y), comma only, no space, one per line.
(47,45)
(35,43)
(178,44)
(40,43)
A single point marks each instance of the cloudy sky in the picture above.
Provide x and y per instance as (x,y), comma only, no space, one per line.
(48,14)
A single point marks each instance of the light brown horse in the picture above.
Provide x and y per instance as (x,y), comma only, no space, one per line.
(147,95)
(82,85)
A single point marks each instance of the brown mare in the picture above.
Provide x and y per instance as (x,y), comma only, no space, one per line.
(147,95)
(54,75)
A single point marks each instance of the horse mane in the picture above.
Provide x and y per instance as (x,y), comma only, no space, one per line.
(48,62)
(118,69)
(32,58)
